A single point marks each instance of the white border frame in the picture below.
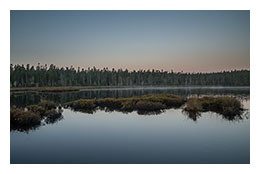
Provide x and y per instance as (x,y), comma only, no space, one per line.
(6,6)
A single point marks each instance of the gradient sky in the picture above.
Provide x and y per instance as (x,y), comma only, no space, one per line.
(191,41)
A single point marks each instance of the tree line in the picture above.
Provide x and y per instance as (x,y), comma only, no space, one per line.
(44,76)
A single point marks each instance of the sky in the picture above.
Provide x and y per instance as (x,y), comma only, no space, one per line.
(189,41)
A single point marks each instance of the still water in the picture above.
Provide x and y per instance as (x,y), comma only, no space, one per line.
(115,137)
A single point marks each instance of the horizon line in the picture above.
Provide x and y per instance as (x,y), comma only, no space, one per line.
(124,69)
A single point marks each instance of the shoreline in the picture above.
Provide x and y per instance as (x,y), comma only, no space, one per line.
(78,88)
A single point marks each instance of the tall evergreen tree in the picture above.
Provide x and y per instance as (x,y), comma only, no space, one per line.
(43,76)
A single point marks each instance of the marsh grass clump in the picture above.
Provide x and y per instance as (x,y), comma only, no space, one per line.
(24,118)
(153,102)
(37,109)
(82,104)
(50,110)
(169,100)
(143,103)
(52,113)
(193,105)
(128,105)
(31,116)
(109,103)
(228,107)
(47,104)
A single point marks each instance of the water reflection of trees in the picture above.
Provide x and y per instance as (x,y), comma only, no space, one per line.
(28,98)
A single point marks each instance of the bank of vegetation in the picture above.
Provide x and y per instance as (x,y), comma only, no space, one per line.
(31,116)
(146,103)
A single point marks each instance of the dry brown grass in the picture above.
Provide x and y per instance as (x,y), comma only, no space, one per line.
(226,106)
(146,102)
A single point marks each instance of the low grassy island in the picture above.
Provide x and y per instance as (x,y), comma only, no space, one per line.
(228,107)
(147,103)
(31,116)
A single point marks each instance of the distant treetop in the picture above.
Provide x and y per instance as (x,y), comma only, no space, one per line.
(39,76)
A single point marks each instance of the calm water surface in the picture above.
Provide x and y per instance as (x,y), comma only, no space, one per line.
(115,137)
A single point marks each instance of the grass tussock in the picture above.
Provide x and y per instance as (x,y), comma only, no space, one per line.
(37,109)
(109,103)
(24,118)
(47,104)
(142,103)
(227,106)
(32,115)
(82,104)
(149,105)
(52,116)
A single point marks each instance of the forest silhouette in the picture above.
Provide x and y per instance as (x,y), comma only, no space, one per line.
(44,76)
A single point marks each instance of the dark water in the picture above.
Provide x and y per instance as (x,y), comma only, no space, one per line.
(115,137)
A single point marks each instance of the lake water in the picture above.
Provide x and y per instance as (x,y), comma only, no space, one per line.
(116,137)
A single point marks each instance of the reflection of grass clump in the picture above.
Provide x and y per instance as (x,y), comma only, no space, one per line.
(53,116)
